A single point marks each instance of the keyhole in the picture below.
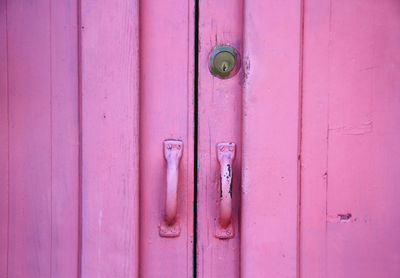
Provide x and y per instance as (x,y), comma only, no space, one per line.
(224,66)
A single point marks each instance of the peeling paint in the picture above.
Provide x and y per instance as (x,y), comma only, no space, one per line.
(341,218)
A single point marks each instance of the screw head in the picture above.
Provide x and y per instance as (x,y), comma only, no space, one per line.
(224,62)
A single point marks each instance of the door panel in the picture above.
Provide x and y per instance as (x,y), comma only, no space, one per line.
(109,138)
(271,99)
(29,140)
(166,112)
(219,120)
(90,91)
(350,151)
(39,127)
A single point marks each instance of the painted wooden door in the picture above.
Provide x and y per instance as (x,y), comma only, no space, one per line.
(122,155)
(72,141)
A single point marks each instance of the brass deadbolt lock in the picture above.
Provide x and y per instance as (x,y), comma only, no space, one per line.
(224,61)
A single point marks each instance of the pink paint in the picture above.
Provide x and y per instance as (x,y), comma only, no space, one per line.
(97,139)
(4,148)
(169,226)
(226,156)
(219,120)
(350,154)
(271,98)
(109,139)
(166,112)
(39,127)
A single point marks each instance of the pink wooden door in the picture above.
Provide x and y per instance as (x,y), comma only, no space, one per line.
(122,155)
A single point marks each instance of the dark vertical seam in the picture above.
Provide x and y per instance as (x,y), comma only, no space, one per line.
(196,128)
(300,136)
(79,94)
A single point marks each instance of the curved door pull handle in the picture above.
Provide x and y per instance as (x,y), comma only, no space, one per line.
(170,227)
(226,155)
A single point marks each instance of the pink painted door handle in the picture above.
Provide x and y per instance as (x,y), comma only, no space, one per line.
(170,227)
(226,156)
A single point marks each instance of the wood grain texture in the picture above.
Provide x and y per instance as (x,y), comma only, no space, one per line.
(219,120)
(3,142)
(109,103)
(43,139)
(314,143)
(272,39)
(358,42)
(64,139)
(30,139)
(166,112)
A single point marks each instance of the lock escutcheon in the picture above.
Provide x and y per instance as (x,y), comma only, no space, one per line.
(224,61)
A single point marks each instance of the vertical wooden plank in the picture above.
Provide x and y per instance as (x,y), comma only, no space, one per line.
(3,142)
(64,139)
(220,22)
(110,199)
(364,131)
(166,105)
(314,142)
(359,60)
(363,154)
(272,36)
(29,78)
(43,139)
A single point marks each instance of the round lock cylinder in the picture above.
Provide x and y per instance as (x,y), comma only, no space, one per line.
(224,61)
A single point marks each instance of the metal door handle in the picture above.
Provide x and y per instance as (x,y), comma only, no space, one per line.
(172,153)
(226,155)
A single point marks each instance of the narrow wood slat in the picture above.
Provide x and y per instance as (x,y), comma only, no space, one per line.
(219,120)
(166,112)
(110,199)
(272,37)
(314,147)
(65,139)
(3,142)
(30,152)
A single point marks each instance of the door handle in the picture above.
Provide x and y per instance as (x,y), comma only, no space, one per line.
(226,156)
(169,226)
